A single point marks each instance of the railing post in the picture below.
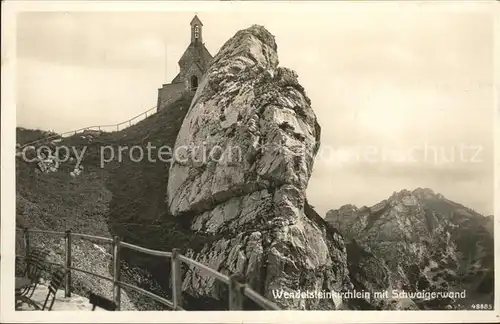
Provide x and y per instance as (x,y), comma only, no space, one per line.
(116,272)
(67,266)
(176,279)
(236,296)
(26,235)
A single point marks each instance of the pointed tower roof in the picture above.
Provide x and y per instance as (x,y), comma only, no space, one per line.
(196,20)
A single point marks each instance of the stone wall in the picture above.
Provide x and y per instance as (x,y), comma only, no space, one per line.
(170,93)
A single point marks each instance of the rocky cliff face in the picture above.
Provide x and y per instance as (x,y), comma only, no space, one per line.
(247,191)
(428,243)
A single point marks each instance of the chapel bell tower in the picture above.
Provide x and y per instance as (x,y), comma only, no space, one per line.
(196,30)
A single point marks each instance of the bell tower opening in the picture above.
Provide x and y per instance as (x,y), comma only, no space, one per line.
(194,83)
(196,30)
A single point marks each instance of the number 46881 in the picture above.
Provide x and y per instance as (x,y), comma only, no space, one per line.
(482,306)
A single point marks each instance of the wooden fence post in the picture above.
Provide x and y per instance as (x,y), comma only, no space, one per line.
(67,266)
(26,235)
(236,296)
(176,279)
(116,272)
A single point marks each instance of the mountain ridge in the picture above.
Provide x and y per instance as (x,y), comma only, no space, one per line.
(427,241)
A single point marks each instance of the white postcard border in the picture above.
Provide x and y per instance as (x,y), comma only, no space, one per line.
(8,124)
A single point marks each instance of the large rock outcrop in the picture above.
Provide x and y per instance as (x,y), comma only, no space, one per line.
(244,155)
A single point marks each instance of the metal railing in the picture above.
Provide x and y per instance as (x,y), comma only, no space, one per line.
(237,290)
(99,128)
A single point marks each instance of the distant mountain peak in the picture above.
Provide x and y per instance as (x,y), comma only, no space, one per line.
(422,193)
(424,190)
(348,207)
(426,240)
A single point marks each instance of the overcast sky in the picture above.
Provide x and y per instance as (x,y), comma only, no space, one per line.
(378,81)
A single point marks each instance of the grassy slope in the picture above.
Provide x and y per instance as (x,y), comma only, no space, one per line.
(24,136)
(125,199)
